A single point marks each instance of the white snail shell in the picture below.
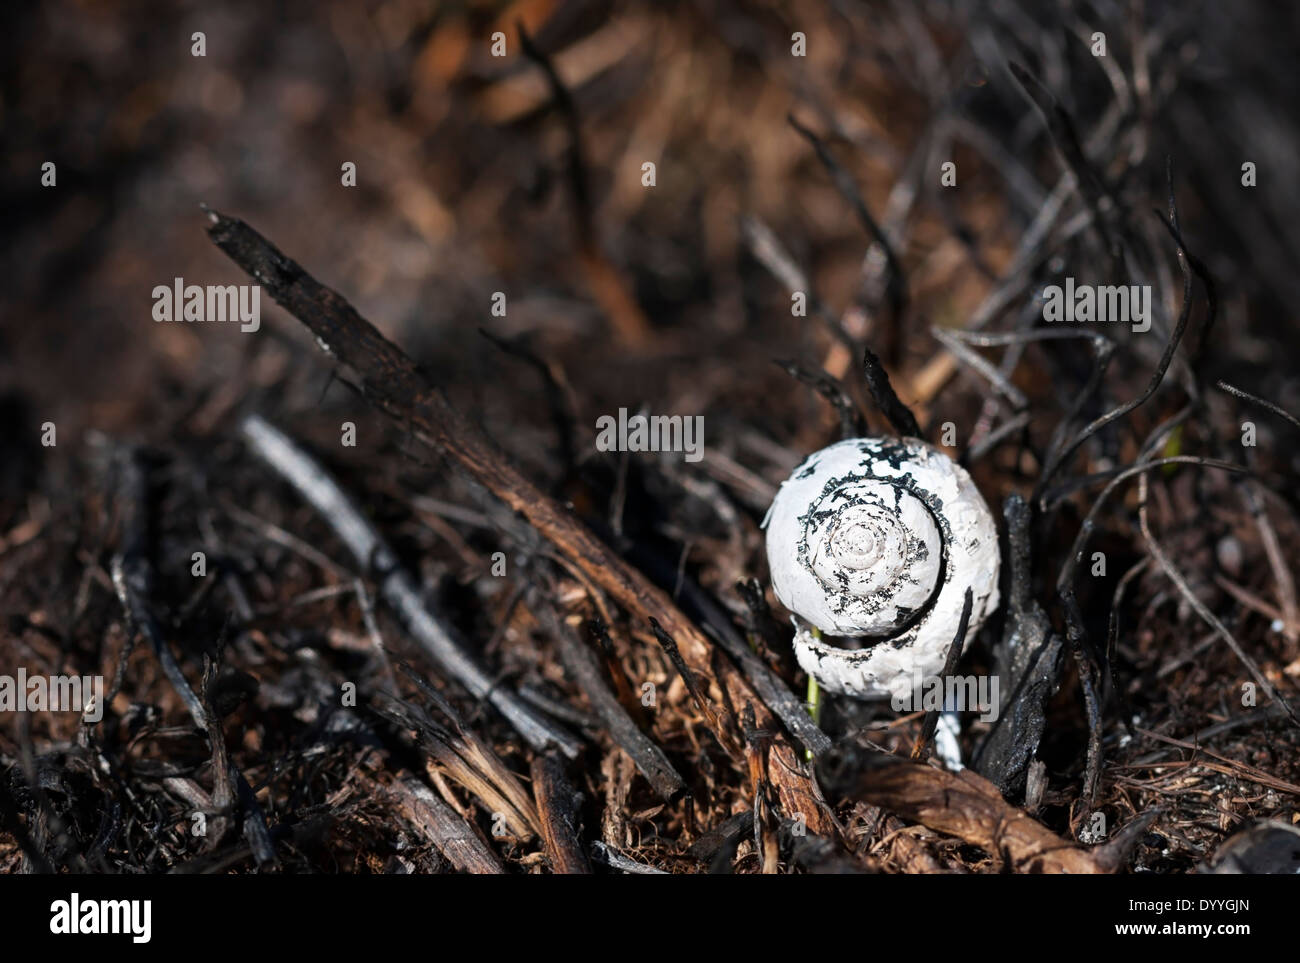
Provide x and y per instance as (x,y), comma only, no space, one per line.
(880,538)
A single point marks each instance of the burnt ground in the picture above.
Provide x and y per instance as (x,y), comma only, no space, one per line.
(278,703)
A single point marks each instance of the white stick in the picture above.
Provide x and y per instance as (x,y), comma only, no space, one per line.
(396,586)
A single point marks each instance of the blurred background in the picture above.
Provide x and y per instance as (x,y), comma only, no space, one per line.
(464,188)
(473,177)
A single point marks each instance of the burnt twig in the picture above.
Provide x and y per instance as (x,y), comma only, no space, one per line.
(887,400)
(557,809)
(851,425)
(1060,126)
(921,749)
(710,711)
(133,578)
(608,287)
(1185,590)
(581,666)
(1028,661)
(444,827)
(896,287)
(1061,454)
(396,586)
(1256,400)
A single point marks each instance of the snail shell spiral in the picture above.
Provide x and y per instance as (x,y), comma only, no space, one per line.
(879,539)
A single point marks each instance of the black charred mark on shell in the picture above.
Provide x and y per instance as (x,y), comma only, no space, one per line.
(899,456)
(807,467)
(894,452)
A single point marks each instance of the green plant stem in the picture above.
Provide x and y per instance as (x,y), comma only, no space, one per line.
(814,701)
